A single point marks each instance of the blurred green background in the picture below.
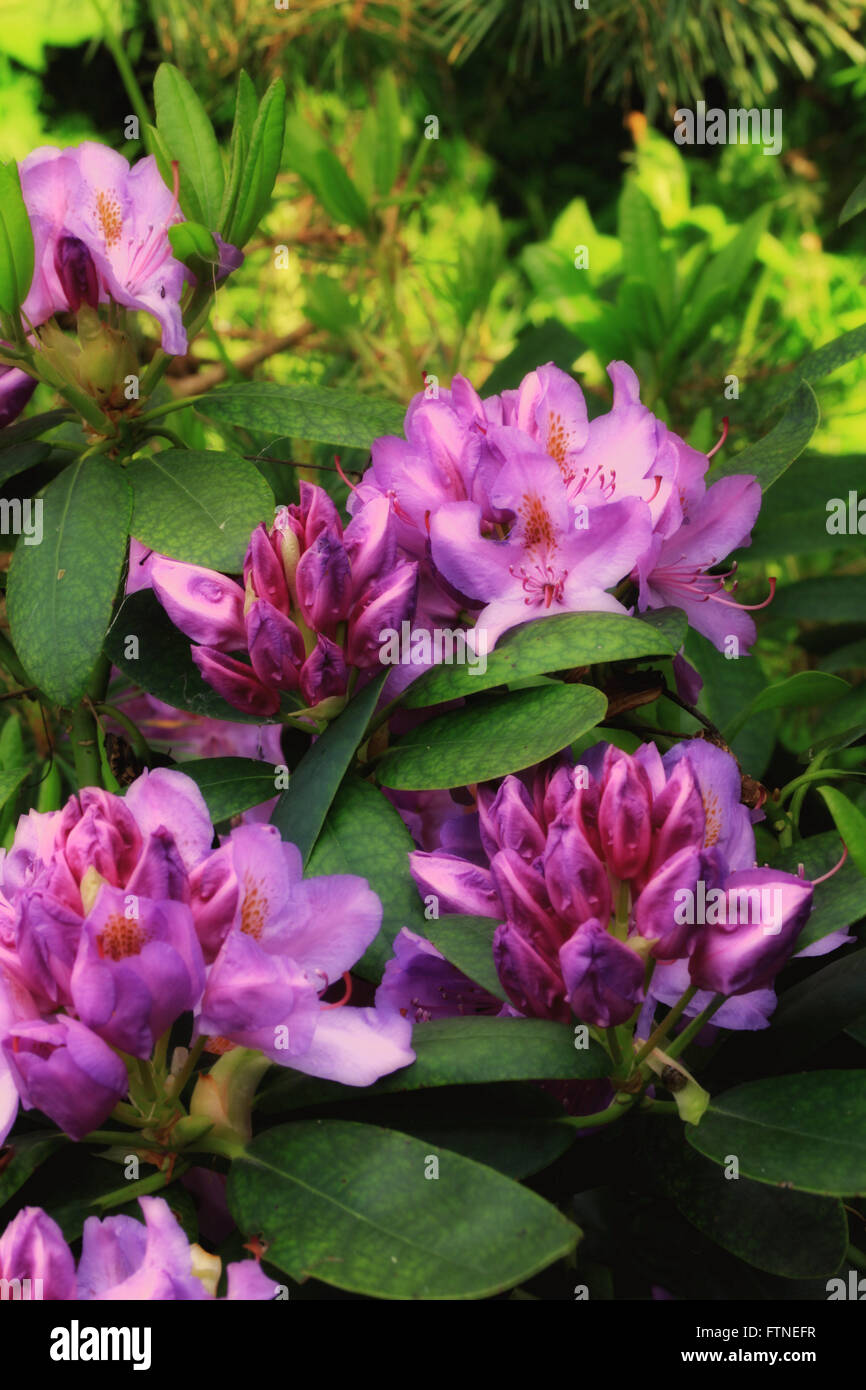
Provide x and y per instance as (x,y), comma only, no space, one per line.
(482,187)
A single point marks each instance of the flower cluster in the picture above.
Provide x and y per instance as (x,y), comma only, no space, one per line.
(315,600)
(117,916)
(619,882)
(519,506)
(121,1258)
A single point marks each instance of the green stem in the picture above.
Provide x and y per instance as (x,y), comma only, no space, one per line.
(665,1026)
(124,68)
(188,1067)
(682,1040)
(85,747)
(109,1136)
(614,1048)
(855,1257)
(179,403)
(226,1148)
(617,1107)
(131,1190)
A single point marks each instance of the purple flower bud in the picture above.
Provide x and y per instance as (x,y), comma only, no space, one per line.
(532,982)
(324,673)
(204,604)
(276,646)
(265,569)
(575,876)
(76,272)
(385,604)
(678,818)
(523,895)
(323,581)
(63,1069)
(656,908)
(603,977)
(420,984)
(235,682)
(457,884)
(97,831)
(506,820)
(624,815)
(371,542)
(32,1247)
(16,388)
(761,914)
(316,513)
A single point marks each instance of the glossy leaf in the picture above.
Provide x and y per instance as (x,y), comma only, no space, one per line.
(198,506)
(318,413)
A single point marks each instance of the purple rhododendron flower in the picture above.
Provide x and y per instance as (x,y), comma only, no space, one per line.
(520,506)
(122,1259)
(100,229)
(117,915)
(591,870)
(16,388)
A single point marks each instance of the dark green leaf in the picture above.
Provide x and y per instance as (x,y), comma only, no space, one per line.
(491,737)
(830,599)
(559,643)
(839,901)
(22,457)
(792,1234)
(819,1008)
(806,1131)
(231,785)
(23,430)
(27,1152)
(318,413)
(16,243)
(301,810)
(261,165)
(825,360)
(467,942)
(548,342)
(60,592)
(769,457)
(188,134)
(363,834)
(855,202)
(198,506)
(849,821)
(164,667)
(802,690)
(349,1203)
(246,110)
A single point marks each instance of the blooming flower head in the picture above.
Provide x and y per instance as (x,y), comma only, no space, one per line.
(100,229)
(122,1258)
(521,506)
(623,867)
(117,916)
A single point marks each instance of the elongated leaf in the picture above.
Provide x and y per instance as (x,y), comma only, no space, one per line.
(824,360)
(22,457)
(11,436)
(839,901)
(849,821)
(261,165)
(27,1152)
(386,152)
(162,664)
(491,737)
(792,1234)
(363,834)
(61,591)
(802,690)
(855,202)
(349,1203)
(301,810)
(317,413)
(231,785)
(191,241)
(16,243)
(548,644)
(185,127)
(10,781)
(807,1131)
(246,110)
(198,506)
(769,457)
(472,1051)
(819,1008)
(467,942)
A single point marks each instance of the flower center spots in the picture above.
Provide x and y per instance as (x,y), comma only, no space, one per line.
(254,909)
(557,444)
(537,525)
(120,937)
(713,818)
(110,220)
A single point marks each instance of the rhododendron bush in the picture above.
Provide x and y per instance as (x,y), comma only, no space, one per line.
(419,866)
